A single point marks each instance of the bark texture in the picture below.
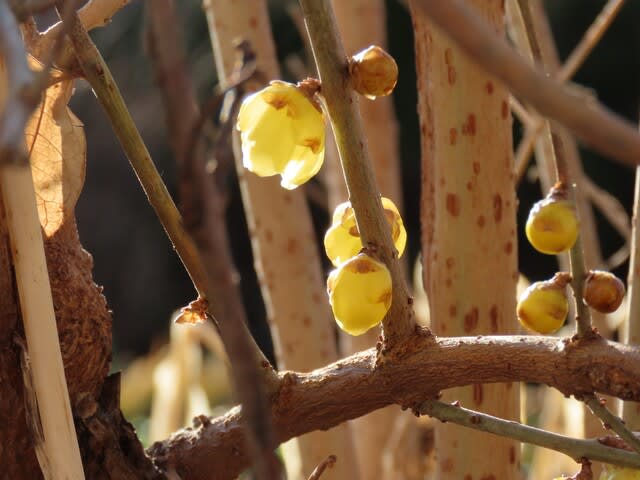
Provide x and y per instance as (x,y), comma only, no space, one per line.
(84,328)
(214,448)
(469,229)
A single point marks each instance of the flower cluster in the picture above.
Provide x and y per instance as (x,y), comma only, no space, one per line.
(360,287)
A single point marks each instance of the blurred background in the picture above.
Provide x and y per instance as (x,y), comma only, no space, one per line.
(143,279)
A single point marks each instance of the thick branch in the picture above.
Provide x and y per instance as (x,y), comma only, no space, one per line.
(590,121)
(354,386)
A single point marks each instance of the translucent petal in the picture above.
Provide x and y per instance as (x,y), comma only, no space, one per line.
(360,294)
(303,165)
(340,245)
(345,243)
(282,132)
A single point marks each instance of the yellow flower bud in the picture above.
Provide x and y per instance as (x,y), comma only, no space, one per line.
(552,226)
(359,293)
(374,72)
(342,240)
(603,291)
(543,306)
(282,132)
(612,472)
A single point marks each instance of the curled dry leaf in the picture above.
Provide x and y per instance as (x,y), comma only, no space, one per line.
(57,152)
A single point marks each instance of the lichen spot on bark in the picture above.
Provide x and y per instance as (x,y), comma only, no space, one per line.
(477,393)
(493,316)
(453,204)
(471,320)
(497,207)
(489,87)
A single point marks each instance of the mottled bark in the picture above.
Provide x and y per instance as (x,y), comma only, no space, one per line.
(468,229)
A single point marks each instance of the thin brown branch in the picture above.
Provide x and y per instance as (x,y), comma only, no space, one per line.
(612,421)
(591,122)
(579,54)
(610,207)
(573,447)
(96,13)
(319,470)
(101,80)
(631,326)
(590,39)
(204,214)
(342,105)
(354,386)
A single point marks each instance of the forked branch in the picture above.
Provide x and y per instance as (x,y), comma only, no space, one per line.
(354,386)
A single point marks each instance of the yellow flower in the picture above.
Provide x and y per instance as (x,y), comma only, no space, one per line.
(342,240)
(359,293)
(282,132)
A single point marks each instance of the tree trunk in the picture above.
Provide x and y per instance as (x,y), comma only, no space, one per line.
(468,237)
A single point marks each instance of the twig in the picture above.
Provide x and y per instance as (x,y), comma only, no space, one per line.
(566,184)
(631,333)
(342,105)
(205,221)
(591,122)
(530,31)
(96,13)
(319,470)
(572,447)
(609,206)
(590,39)
(576,253)
(611,421)
(99,77)
(325,397)
(579,54)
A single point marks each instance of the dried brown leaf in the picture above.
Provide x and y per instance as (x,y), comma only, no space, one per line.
(57,153)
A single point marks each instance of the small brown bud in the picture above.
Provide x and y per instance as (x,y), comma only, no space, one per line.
(603,291)
(373,72)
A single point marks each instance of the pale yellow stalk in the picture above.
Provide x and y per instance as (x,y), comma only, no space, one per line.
(469,231)
(286,256)
(59,456)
